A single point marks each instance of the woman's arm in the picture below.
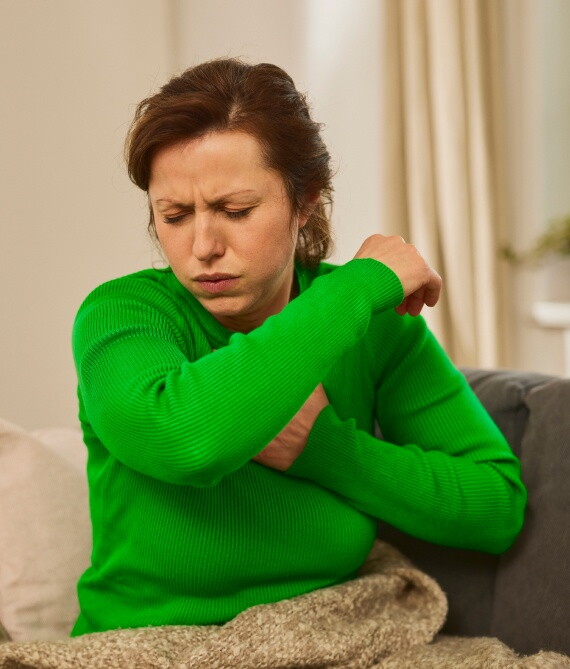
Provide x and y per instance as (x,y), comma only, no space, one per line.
(192,421)
(443,471)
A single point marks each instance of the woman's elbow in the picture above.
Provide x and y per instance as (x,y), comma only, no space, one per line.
(511,524)
(160,454)
(197,473)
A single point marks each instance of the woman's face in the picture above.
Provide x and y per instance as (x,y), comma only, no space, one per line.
(219,210)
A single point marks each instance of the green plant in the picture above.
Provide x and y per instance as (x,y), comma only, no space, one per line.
(555,240)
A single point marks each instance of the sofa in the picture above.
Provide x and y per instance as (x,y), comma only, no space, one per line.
(522,596)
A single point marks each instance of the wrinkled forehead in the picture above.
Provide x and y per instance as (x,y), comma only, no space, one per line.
(214,165)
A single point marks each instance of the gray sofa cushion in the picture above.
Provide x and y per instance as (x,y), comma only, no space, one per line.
(520,596)
(532,592)
(503,393)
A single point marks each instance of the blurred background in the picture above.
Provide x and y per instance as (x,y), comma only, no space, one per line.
(447,120)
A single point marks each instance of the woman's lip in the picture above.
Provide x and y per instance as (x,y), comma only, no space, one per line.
(218,286)
(216,276)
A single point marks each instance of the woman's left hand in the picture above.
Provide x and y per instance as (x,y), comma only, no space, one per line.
(286,447)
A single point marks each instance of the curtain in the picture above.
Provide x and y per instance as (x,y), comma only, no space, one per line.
(442,164)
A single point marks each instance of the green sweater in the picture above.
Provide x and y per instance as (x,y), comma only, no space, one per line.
(187,529)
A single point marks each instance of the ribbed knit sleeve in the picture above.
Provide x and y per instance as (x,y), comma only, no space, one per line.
(191,420)
(442,471)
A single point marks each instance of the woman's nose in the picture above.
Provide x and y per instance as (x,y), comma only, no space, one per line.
(207,240)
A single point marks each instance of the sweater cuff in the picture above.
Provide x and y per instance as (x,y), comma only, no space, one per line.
(386,289)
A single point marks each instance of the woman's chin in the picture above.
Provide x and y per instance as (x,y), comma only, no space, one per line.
(226,307)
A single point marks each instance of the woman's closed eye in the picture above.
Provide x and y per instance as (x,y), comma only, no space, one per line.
(230,213)
(237,213)
(173,219)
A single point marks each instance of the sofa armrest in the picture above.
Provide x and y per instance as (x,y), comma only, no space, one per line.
(522,596)
(532,589)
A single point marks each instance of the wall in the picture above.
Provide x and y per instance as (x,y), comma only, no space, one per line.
(71,74)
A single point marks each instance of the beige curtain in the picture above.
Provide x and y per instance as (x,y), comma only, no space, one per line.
(442,179)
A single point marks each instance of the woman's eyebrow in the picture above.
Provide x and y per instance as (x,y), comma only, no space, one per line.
(219,200)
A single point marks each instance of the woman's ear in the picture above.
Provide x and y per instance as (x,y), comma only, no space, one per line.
(311,201)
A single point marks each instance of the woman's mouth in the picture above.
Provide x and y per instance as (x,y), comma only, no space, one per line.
(218,285)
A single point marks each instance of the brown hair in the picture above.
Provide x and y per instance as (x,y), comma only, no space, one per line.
(228,94)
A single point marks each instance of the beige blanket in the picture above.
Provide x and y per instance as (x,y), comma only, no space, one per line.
(386,618)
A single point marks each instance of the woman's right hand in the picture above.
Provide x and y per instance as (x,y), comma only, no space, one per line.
(421,283)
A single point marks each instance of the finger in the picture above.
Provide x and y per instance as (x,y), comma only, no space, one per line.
(433,290)
(416,303)
(402,309)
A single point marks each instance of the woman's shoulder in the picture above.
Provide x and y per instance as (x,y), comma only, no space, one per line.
(147,296)
(128,304)
(147,284)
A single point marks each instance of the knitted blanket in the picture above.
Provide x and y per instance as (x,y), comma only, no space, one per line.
(388,617)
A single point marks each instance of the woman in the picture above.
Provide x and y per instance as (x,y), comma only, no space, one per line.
(228,401)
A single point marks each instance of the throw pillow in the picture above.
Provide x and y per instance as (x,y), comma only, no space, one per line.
(45,530)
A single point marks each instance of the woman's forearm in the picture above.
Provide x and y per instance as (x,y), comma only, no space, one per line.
(470,501)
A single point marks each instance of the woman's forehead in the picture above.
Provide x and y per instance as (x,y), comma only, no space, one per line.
(220,164)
